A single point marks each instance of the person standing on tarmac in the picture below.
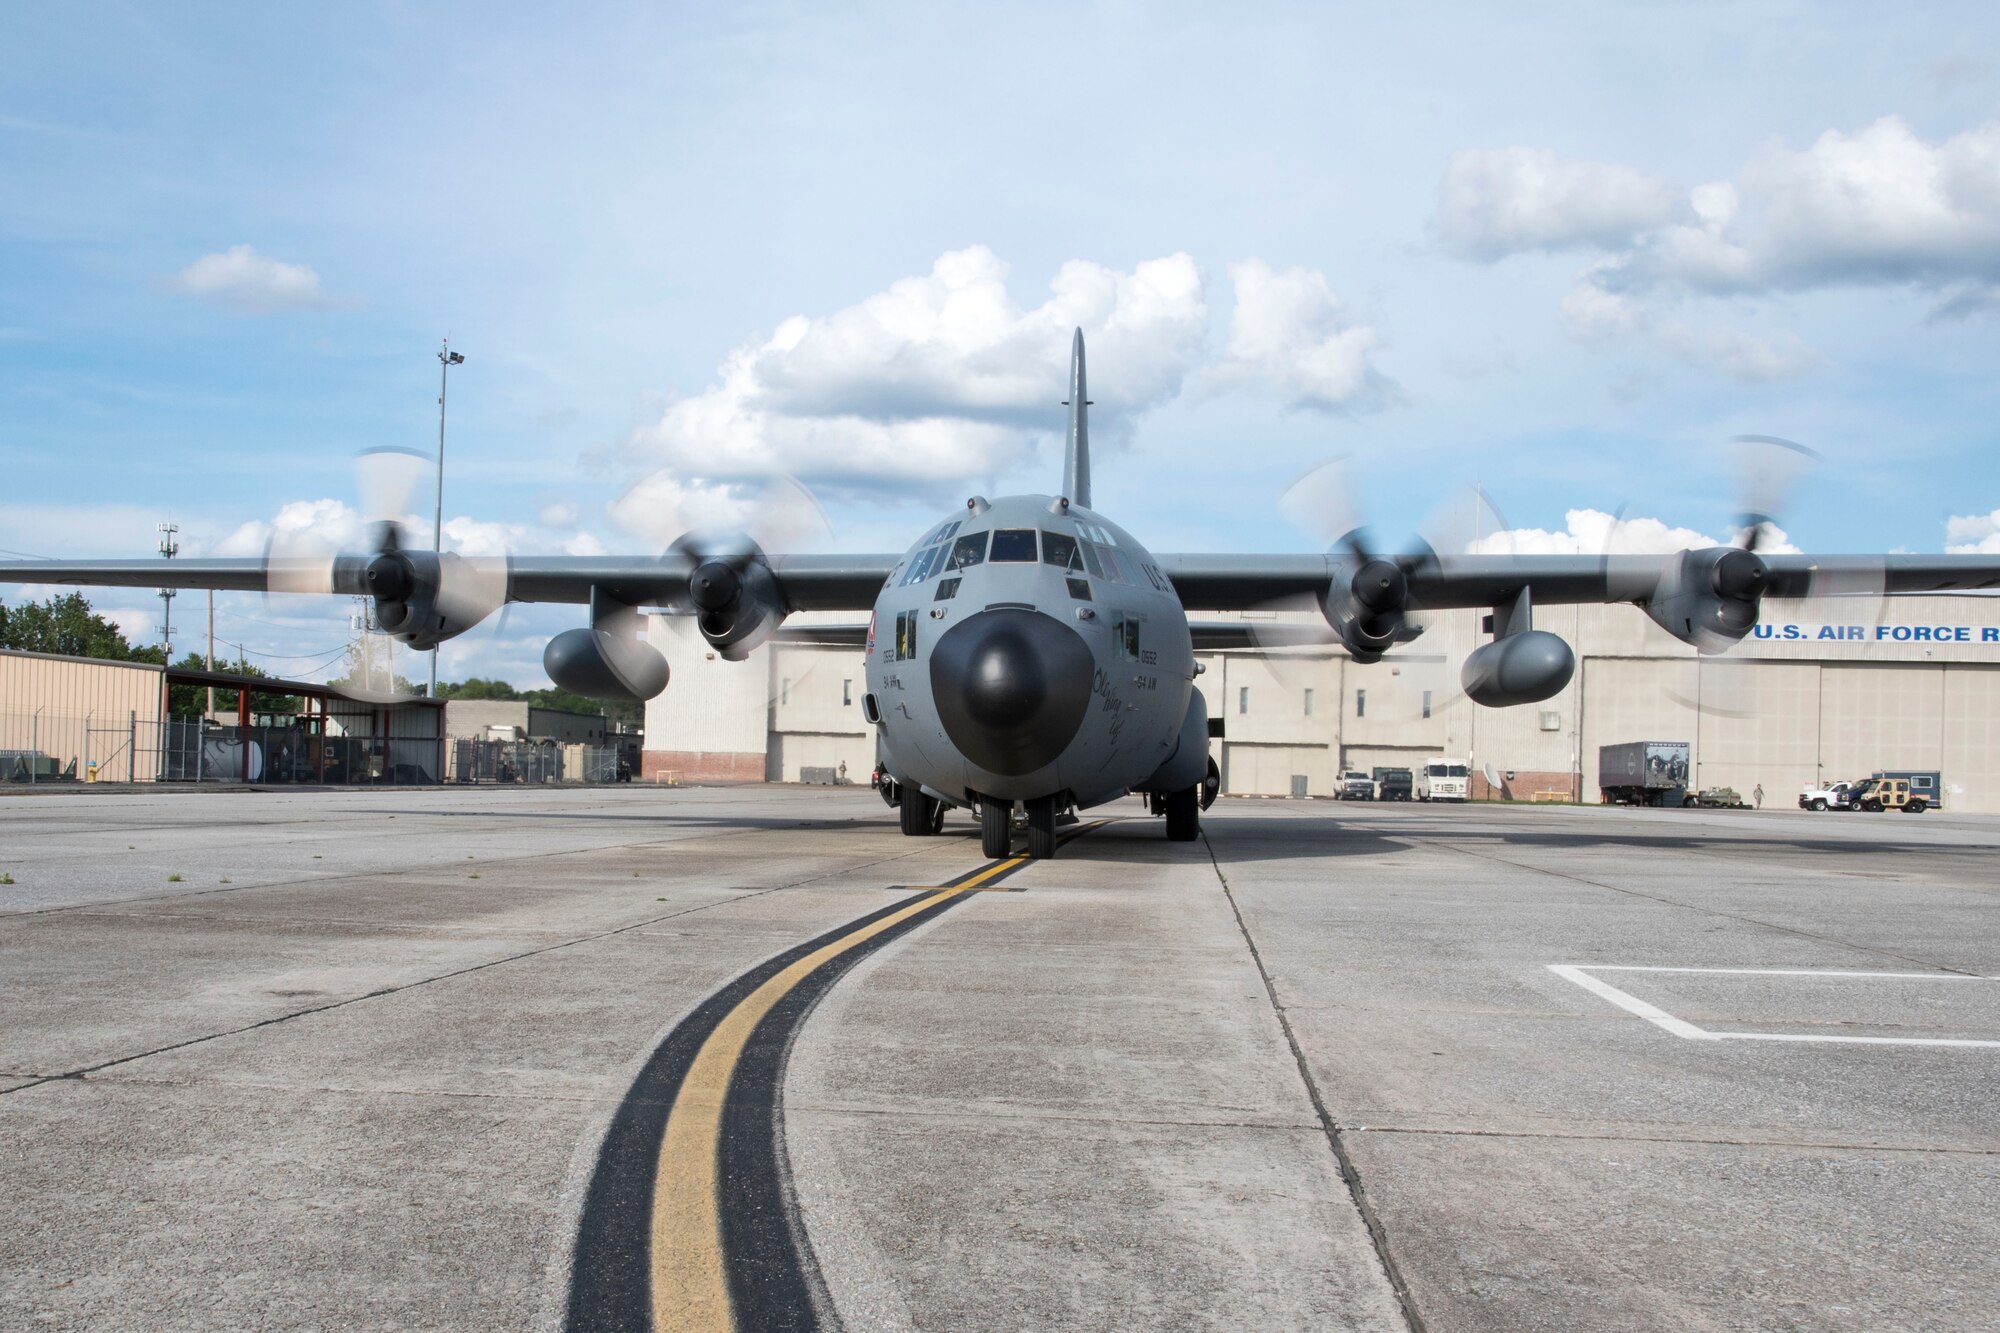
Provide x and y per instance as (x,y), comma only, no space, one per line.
(1757,795)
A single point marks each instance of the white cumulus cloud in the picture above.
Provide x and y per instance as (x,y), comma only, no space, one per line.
(241,280)
(942,377)
(1879,207)
(1288,334)
(1973,534)
(1501,201)
(1593,532)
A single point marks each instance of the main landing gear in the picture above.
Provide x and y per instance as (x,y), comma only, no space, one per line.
(922,815)
(1183,814)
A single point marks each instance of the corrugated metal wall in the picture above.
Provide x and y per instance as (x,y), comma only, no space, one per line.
(67,713)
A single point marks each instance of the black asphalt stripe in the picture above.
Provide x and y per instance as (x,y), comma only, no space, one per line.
(773,1276)
(610,1280)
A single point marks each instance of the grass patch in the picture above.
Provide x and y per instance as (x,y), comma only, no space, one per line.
(6,878)
(173,879)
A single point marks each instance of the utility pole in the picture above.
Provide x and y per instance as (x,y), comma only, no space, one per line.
(446,360)
(169,548)
(208,661)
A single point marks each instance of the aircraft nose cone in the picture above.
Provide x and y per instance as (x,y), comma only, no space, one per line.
(1011,688)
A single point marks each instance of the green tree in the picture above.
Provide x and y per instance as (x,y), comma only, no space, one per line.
(68,626)
(478,687)
(188,700)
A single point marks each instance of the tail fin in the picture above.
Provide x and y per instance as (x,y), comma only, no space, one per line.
(1076,459)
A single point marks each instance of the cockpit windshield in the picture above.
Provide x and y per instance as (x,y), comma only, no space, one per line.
(1014,545)
(968,550)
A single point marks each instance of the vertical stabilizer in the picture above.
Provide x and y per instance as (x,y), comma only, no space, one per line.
(1076,459)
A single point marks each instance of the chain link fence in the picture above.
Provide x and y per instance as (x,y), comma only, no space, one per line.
(532,763)
(42,747)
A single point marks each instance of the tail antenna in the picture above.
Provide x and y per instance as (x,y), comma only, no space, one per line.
(1076,458)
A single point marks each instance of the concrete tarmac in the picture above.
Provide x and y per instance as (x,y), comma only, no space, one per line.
(353,1059)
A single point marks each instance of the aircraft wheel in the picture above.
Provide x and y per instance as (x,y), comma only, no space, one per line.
(1184,815)
(996,839)
(1042,827)
(920,814)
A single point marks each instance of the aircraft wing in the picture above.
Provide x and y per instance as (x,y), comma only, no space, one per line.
(1250,582)
(807,582)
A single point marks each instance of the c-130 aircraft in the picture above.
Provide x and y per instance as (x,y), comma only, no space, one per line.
(1029,652)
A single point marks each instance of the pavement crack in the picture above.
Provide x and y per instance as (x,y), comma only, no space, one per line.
(413,985)
(1350,1175)
(1664,901)
(1689,1139)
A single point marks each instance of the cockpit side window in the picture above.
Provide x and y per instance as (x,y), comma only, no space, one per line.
(968,550)
(946,589)
(1060,551)
(1090,561)
(1114,569)
(1013,545)
(923,565)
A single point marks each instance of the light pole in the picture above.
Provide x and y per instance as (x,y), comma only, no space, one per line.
(446,360)
(170,547)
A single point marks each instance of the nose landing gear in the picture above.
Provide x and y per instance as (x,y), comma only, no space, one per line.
(996,826)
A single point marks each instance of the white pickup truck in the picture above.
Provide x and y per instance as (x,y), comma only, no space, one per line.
(1834,797)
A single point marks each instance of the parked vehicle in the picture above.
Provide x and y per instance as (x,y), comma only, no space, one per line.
(1925,783)
(1644,773)
(1394,784)
(1718,798)
(1879,794)
(1832,797)
(1444,780)
(1356,786)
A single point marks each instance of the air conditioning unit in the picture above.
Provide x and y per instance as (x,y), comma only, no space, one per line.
(1551,721)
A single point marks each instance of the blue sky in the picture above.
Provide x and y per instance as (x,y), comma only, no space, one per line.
(1563,253)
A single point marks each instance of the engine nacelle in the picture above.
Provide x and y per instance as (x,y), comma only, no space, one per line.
(604,665)
(1711,599)
(411,604)
(738,605)
(1522,668)
(1367,609)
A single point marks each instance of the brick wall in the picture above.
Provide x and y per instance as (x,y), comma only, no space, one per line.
(702,765)
(1525,786)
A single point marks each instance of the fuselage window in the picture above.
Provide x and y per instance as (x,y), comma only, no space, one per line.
(1128,638)
(968,550)
(1079,589)
(1013,545)
(906,635)
(1060,551)
(1104,536)
(947,589)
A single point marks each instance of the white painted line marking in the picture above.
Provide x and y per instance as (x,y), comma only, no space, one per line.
(1680,1027)
(1789,972)
(1631,1004)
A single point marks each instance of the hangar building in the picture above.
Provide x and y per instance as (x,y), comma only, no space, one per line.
(1910,682)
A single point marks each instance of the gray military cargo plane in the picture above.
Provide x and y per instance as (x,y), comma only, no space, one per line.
(1029,652)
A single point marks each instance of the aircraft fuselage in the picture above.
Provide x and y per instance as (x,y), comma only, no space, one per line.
(1030,648)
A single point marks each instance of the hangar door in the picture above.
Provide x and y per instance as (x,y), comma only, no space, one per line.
(1268,770)
(790,752)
